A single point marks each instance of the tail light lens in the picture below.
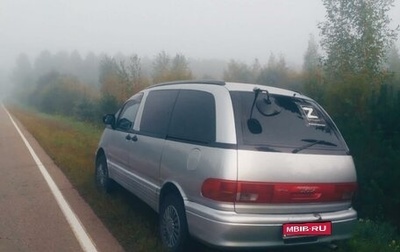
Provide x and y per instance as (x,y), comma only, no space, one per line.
(264,192)
(219,190)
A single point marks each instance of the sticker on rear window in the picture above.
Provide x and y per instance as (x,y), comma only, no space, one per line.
(312,116)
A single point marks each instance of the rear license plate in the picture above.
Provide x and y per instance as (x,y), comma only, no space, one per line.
(307,229)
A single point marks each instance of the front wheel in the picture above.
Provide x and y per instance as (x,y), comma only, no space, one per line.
(173,224)
(103,181)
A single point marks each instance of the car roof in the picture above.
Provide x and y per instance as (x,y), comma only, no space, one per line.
(234,86)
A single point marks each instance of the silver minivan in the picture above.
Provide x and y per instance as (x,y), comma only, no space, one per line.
(231,164)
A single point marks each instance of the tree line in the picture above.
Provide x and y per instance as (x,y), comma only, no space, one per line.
(354,72)
(64,83)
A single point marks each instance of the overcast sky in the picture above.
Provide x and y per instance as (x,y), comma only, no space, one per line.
(220,29)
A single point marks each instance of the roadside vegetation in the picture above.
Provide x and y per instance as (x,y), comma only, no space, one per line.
(356,77)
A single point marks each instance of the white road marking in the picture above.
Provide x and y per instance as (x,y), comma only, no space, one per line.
(80,233)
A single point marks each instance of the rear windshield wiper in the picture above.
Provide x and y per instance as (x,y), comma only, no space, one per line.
(312,142)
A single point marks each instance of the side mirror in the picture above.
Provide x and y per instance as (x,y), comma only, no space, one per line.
(109,119)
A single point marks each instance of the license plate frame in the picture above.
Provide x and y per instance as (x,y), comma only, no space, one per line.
(291,230)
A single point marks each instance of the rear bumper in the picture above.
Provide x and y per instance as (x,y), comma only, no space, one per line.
(229,229)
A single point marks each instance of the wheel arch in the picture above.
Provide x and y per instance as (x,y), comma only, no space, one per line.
(99,153)
(170,188)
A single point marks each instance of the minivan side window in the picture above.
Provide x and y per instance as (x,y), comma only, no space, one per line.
(127,116)
(194,117)
(157,112)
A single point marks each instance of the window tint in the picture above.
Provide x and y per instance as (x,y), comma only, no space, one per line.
(193,118)
(282,123)
(157,112)
(126,117)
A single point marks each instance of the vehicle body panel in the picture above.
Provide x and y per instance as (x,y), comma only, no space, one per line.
(261,230)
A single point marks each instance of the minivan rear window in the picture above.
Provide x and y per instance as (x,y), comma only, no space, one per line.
(270,122)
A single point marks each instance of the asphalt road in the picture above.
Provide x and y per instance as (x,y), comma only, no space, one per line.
(39,208)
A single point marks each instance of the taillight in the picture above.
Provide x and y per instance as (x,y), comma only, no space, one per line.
(254,192)
(264,192)
(346,190)
(219,190)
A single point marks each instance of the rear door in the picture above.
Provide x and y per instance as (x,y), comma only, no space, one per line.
(291,157)
(190,155)
(148,142)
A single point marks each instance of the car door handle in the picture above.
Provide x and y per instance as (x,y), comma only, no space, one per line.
(133,138)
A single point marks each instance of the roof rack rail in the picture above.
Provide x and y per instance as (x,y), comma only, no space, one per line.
(208,82)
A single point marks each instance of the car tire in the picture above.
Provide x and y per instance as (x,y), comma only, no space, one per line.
(103,181)
(173,224)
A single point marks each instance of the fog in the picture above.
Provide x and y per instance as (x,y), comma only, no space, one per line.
(201,29)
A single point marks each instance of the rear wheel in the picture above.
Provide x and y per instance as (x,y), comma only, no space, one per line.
(173,224)
(103,181)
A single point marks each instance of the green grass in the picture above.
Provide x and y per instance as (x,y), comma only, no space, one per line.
(72,145)
(374,236)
